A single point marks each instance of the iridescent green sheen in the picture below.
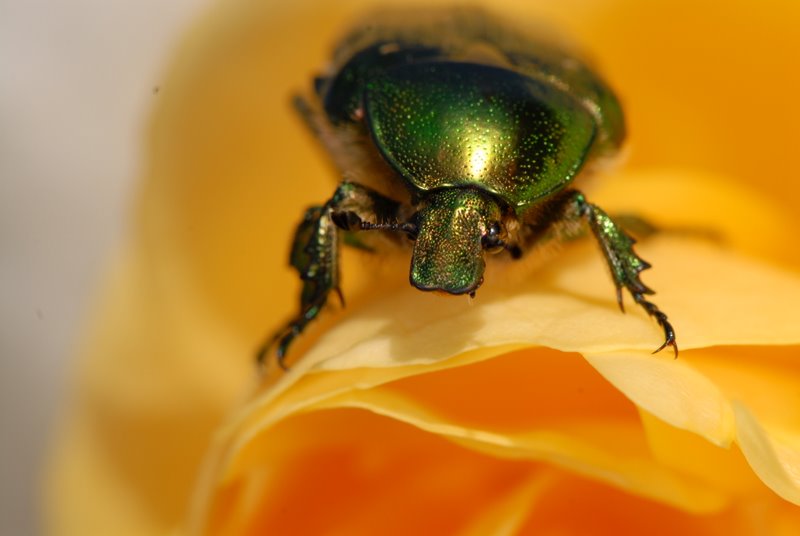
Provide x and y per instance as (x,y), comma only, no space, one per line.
(450,124)
(477,130)
(471,36)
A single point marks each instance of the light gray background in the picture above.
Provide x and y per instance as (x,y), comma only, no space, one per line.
(76,82)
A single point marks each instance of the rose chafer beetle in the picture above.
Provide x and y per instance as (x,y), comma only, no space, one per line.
(464,135)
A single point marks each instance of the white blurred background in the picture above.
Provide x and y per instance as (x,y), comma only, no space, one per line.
(76,84)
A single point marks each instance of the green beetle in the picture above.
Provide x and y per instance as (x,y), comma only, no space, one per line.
(462,134)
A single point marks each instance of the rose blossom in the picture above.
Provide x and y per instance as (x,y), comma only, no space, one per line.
(536,408)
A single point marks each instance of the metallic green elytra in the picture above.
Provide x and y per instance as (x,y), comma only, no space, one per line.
(450,124)
(462,135)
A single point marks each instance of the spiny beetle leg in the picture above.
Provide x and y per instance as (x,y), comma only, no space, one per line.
(559,218)
(315,253)
(625,264)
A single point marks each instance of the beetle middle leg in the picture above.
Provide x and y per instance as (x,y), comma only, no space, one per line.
(315,252)
(564,212)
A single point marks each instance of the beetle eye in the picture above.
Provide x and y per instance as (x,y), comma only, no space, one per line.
(492,241)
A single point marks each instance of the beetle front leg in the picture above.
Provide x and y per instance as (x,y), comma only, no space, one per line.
(617,248)
(315,253)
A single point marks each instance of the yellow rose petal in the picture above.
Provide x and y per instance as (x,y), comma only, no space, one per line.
(692,454)
(709,395)
(330,469)
(573,505)
(203,285)
(687,202)
(672,391)
(764,378)
(614,461)
(330,462)
(505,516)
(577,438)
(704,289)
(276,449)
(775,459)
(703,409)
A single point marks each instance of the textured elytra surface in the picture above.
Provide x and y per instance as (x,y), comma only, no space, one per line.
(445,124)
(468,35)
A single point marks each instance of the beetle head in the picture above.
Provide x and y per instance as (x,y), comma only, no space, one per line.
(454,228)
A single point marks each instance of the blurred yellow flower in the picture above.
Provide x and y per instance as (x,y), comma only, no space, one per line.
(536,409)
